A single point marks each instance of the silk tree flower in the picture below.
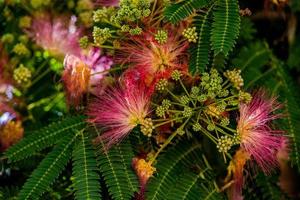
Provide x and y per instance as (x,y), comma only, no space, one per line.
(118,111)
(56,34)
(258,139)
(83,73)
(151,59)
(11,130)
(235,171)
(144,170)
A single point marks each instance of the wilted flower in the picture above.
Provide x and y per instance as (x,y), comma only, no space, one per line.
(235,170)
(257,137)
(76,77)
(144,171)
(10,133)
(56,34)
(11,129)
(118,111)
(84,72)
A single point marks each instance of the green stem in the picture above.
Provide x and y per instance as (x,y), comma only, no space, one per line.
(40,76)
(166,143)
(259,77)
(186,92)
(173,95)
(166,122)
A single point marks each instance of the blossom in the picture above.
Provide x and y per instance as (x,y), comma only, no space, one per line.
(10,133)
(11,129)
(257,138)
(118,111)
(56,34)
(235,169)
(97,63)
(84,72)
(144,170)
(151,59)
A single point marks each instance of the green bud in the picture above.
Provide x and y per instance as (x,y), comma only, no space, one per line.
(135,31)
(22,75)
(160,111)
(21,50)
(190,34)
(176,74)
(224,144)
(162,85)
(101,35)
(196,127)
(7,38)
(187,112)
(184,100)
(161,36)
(147,127)
(84,42)
(211,127)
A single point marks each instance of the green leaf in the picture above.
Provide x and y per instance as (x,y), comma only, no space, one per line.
(186,188)
(49,169)
(43,138)
(169,167)
(290,95)
(178,11)
(86,178)
(226,26)
(200,51)
(269,187)
(251,60)
(115,166)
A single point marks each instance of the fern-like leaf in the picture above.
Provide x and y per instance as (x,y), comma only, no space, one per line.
(86,178)
(115,166)
(187,187)
(200,51)
(49,169)
(178,11)
(251,60)
(183,155)
(269,187)
(226,26)
(43,138)
(290,95)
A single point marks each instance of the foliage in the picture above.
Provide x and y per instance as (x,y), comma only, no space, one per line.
(141,99)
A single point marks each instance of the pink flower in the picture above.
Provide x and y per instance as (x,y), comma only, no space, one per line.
(257,138)
(153,60)
(118,111)
(97,63)
(83,73)
(57,34)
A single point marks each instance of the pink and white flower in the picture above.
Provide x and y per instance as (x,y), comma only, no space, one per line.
(83,73)
(118,111)
(56,34)
(258,139)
